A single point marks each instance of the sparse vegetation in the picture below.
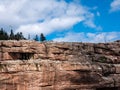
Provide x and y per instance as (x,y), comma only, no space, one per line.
(19,36)
(42,37)
(36,38)
(5,36)
(1,66)
(103,59)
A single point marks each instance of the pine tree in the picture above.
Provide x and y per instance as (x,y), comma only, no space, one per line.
(3,35)
(42,37)
(36,38)
(12,36)
(6,37)
(19,36)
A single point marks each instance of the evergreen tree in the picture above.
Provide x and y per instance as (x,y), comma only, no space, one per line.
(6,37)
(12,36)
(3,35)
(36,38)
(42,37)
(19,36)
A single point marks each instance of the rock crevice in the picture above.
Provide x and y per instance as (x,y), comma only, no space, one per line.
(30,65)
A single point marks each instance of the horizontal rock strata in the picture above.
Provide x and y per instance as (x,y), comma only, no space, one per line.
(31,65)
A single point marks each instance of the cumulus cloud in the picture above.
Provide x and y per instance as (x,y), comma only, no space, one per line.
(48,27)
(115,6)
(89,37)
(44,16)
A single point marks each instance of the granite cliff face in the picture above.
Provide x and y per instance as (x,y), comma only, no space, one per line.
(29,65)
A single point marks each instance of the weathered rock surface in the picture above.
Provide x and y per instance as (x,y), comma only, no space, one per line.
(59,66)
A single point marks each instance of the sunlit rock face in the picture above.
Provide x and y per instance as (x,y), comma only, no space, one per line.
(30,65)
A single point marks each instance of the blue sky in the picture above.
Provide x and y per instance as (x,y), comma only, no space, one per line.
(63,20)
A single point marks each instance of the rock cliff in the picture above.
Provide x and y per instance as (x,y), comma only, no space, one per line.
(30,65)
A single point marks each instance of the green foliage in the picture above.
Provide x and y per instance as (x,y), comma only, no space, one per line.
(1,66)
(103,59)
(36,38)
(12,36)
(3,35)
(42,37)
(18,36)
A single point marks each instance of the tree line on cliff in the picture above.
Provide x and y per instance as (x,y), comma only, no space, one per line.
(19,36)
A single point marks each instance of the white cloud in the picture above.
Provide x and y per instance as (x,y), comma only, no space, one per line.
(89,37)
(115,6)
(49,26)
(47,16)
(70,37)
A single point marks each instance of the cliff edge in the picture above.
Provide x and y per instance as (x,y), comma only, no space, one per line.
(31,65)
